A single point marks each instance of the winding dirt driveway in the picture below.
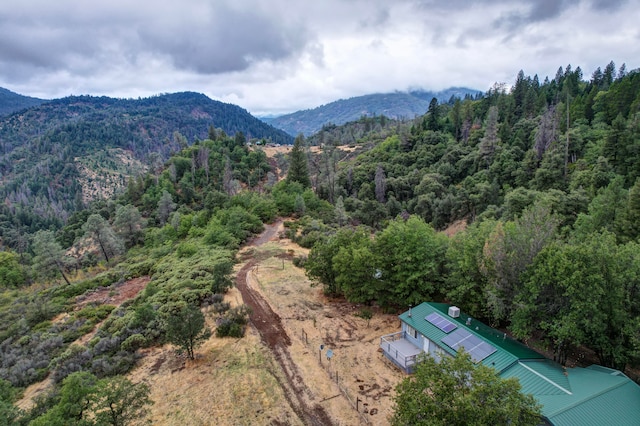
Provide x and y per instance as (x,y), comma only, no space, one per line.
(273,334)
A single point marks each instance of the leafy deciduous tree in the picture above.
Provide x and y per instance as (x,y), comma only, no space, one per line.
(165,207)
(509,251)
(187,329)
(584,293)
(98,230)
(465,282)
(455,391)
(411,258)
(320,262)
(118,402)
(11,273)
(85,400)
(129,224)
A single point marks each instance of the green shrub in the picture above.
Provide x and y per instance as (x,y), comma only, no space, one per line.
(309,239)
(42,326)
(228,328)
(195,296)
(220,237)
(299,261)
(142,316)
(134,342)
(96,313)
(232,324)
(142,268)
(186,250)
(41,309)
(161,251)
(104,279)
(365,314)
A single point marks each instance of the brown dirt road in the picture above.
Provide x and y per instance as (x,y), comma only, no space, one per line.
(273,334)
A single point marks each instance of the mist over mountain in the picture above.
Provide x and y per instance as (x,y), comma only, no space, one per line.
(397,105)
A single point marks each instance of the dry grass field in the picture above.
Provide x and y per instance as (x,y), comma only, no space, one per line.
(242,382)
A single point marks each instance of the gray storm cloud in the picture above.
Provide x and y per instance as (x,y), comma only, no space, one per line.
(227,39)
(290,54)
(220,39)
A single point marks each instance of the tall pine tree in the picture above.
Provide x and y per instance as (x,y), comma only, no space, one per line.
(298,169)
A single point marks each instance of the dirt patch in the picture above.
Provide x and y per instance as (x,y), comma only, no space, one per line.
(231,382)
(115,294)
(277,374)
(455,227)
(273,334)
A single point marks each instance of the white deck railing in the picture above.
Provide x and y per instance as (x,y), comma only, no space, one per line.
(394,353)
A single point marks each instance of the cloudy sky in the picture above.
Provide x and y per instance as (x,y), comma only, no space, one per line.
(278,56)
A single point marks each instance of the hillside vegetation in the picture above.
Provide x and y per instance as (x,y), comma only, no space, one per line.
(56,157)
(11,102)
(544,176)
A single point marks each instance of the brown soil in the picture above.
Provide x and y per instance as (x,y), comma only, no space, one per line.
(294,318)
(273,334)
(115,294)
(455,227)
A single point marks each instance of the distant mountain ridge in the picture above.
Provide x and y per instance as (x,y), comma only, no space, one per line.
(395,105)
(137,123)
(11,102)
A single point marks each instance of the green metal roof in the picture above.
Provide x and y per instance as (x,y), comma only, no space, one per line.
(508,351)
(540,377)
(569,396)
(598,398)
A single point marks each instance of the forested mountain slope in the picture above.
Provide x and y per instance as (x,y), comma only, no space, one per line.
(57,156)
(495,155)
(399,105)
(11,102)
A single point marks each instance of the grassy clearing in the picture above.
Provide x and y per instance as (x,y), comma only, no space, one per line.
(231,382)
(362,370)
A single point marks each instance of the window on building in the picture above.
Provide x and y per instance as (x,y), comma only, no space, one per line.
(412,332)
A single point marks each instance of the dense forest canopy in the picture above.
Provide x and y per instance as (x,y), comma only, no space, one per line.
(545,177)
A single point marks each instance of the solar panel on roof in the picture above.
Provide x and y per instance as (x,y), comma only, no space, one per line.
(441,322)
(447,328)
(477,348)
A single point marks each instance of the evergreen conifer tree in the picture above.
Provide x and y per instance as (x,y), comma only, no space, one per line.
(298,169)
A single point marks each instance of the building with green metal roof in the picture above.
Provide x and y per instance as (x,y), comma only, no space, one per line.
(594,395)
